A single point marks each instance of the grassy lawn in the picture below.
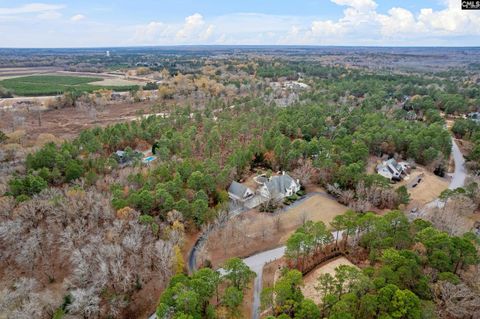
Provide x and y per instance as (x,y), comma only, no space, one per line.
(252,231)
(38,85)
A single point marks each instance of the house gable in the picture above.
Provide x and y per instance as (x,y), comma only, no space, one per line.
(238,191)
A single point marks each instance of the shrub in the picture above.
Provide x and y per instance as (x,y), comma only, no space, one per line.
(73,171)
(3,137)
(4,93)
(150,86)
(450,277)
(29,185)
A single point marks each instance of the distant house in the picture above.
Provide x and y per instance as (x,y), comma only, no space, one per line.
(124,158)
(295,85)
(411,116)
(117,97)
(474,116)
(239,192)
(393,170)
(280,186)
(121,157)
(405,103)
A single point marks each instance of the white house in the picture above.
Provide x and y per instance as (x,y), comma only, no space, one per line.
(279,186)
(295,85)
(239,192)
(392,170)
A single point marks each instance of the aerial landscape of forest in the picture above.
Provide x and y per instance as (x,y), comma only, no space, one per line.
(237,180)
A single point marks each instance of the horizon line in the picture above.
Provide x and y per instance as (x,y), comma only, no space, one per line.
(238,46)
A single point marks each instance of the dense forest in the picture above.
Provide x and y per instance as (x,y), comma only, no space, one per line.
(210,152)
(407,268)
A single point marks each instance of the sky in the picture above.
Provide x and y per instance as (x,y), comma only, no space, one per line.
(108,23)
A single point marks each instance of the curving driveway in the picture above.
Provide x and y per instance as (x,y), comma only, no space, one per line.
(460,173)
(458,180)
(258,261)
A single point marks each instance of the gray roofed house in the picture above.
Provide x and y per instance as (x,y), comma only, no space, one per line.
(121,157)
(280,186)
(239,192)
(392,169)
(474,116)
(124,158)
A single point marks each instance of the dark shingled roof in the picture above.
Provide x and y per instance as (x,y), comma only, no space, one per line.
(279,184)
(237,189)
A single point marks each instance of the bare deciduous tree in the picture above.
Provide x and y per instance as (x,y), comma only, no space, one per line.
(77,232)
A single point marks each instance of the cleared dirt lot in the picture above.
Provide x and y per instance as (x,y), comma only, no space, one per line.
(252,231)
(310,280)
(6,73)
(428,189)
(117,82)
(67,123)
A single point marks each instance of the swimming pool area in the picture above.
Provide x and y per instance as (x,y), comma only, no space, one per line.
(149,159)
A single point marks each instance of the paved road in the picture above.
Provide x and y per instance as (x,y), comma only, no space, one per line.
(458,180)
(460,174)
(256,263)
(192,256)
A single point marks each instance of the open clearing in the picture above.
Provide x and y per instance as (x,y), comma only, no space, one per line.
(252,231)
(429,188)
(67,123)
(7,73)
(41,85)
(117,82)
(310,280)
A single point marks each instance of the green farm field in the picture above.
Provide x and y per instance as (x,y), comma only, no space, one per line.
(42,85)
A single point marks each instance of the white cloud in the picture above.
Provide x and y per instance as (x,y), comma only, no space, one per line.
(357,20)
(397,21)
(49,15)
(31,8)
(192,24)
(254,23)
(362,23)
(150,33)
(32,11)
(221,39)
(327,28)
(357,4)
(207,34)
(451,20)
(194,29)
(78,17)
